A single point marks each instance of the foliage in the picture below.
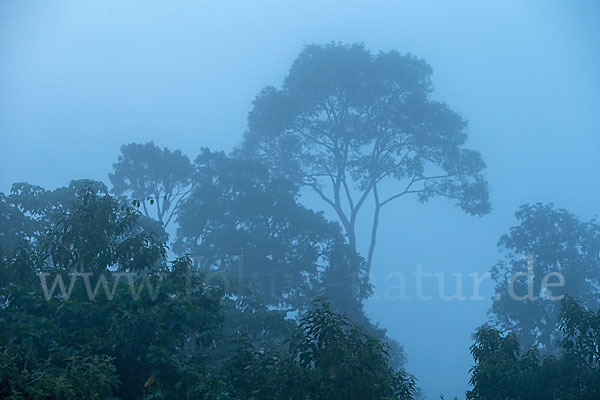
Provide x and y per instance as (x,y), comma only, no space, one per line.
(24,376)
(97,233)
(28,211)
(503,372)
(328,357)
(580,328)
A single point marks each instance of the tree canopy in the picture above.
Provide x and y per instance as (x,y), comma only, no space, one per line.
(154,177)
(350,125)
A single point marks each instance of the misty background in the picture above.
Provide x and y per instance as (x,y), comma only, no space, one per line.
(79,79)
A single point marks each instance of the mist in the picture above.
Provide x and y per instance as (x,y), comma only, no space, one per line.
(80,79)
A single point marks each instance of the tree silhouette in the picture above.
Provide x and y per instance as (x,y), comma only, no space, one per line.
(352,125)
(160,178)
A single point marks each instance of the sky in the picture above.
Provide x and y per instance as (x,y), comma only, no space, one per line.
(79,79)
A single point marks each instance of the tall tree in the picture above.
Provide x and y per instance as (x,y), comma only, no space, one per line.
(347,121)
(546,241)
(152,176)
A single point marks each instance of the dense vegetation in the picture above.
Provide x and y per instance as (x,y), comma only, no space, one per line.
(503,371)
(165,331)
(256,296)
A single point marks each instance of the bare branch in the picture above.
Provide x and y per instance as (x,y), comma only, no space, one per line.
(412,182)
(322,195)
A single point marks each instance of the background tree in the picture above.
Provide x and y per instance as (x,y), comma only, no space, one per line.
(242,221)
(347,121)
(152,176)
(547,240)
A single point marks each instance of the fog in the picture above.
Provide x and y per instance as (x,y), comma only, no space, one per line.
(80,79)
